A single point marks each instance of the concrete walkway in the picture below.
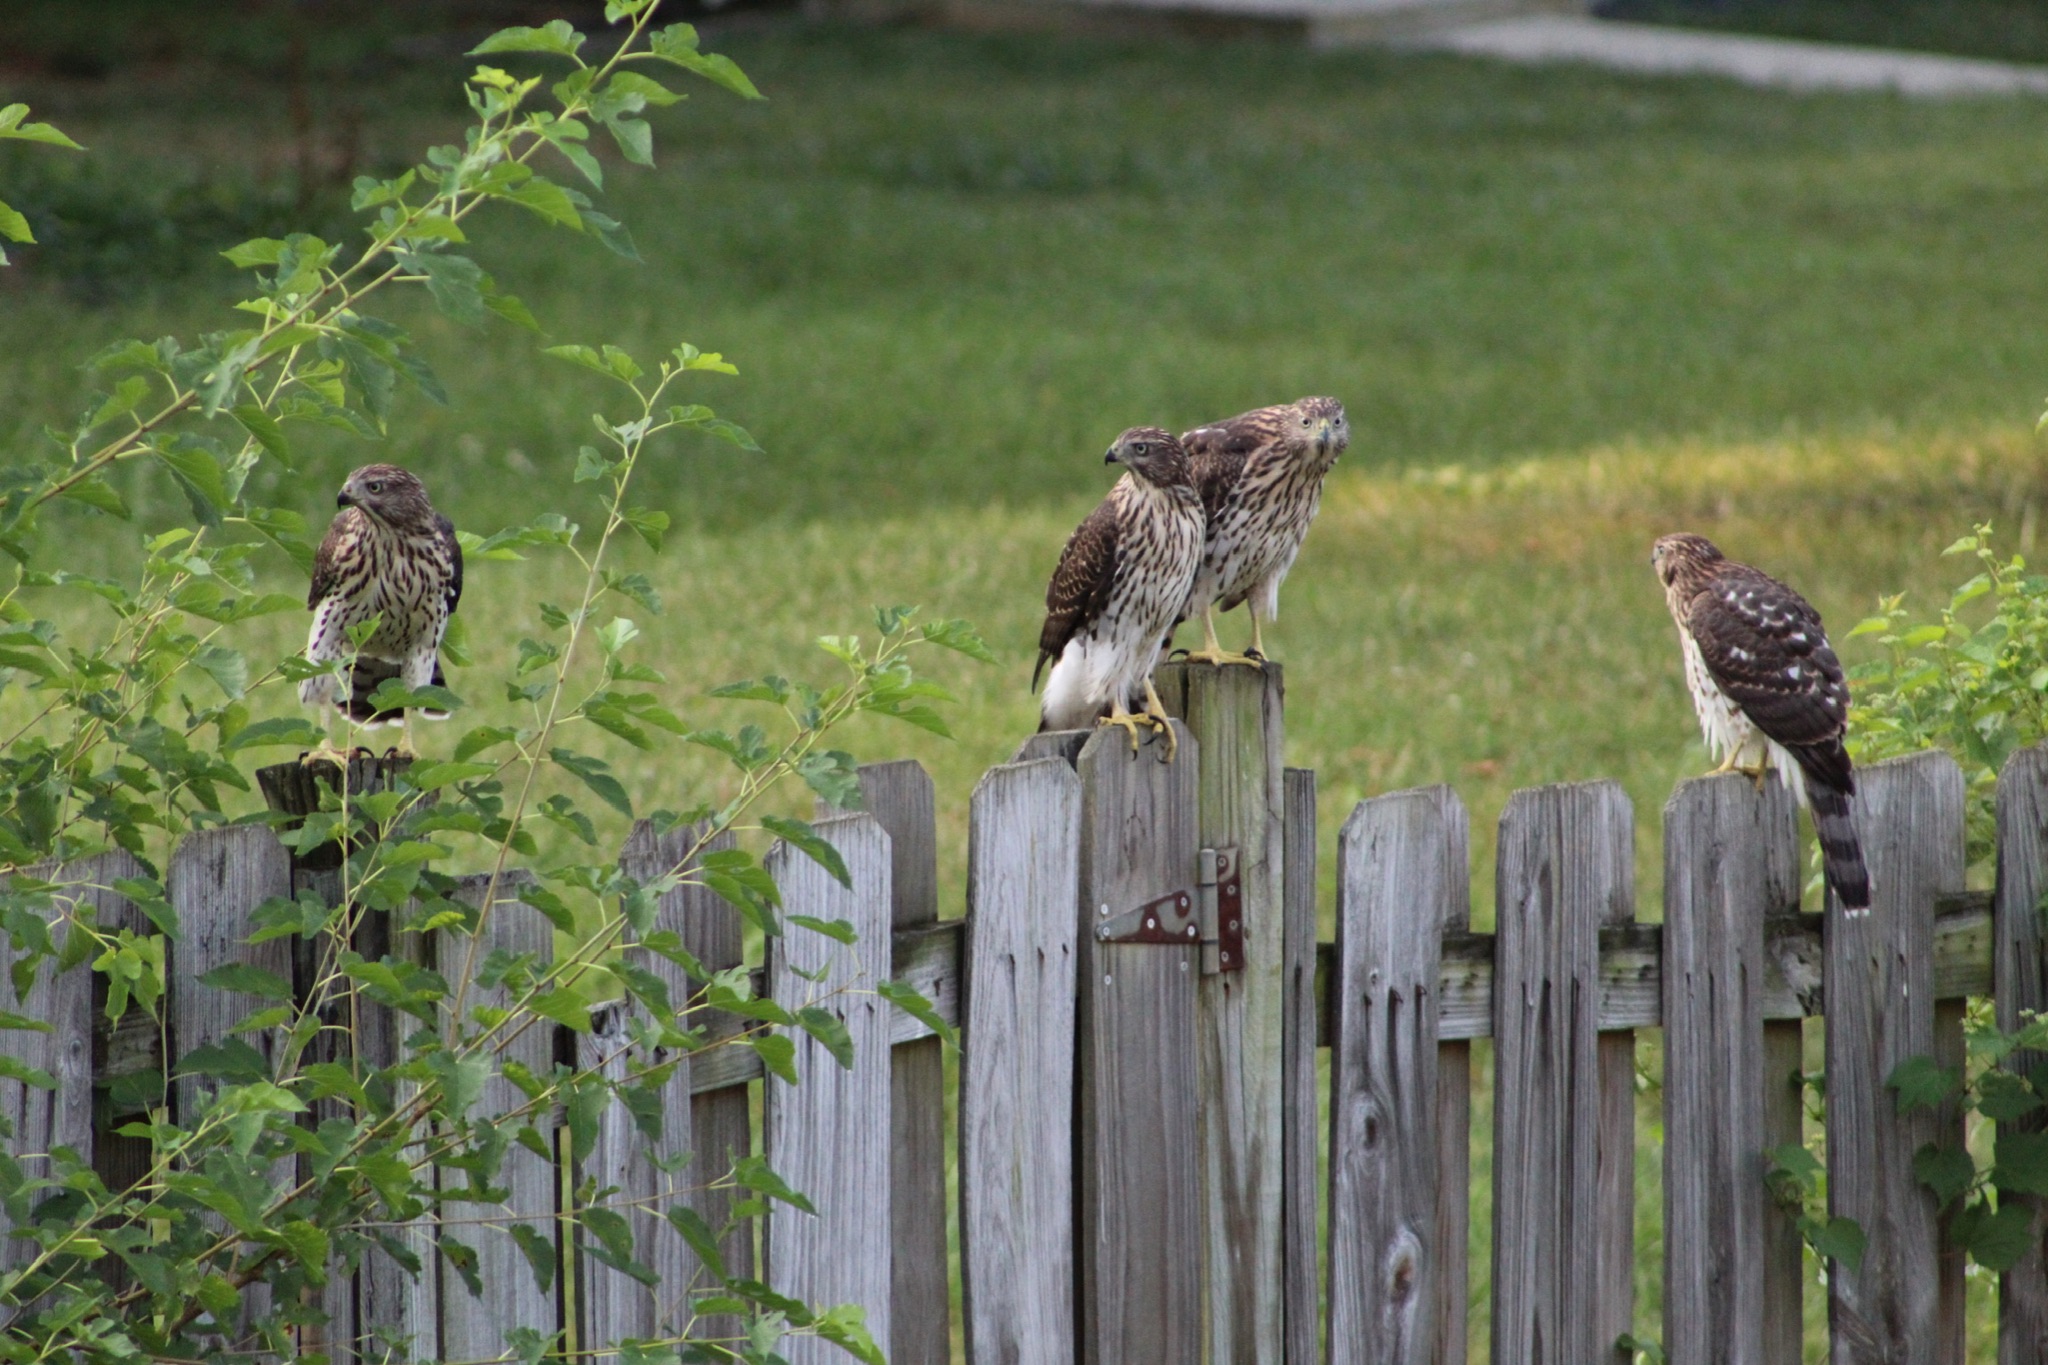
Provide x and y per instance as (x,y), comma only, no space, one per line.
(1777,62)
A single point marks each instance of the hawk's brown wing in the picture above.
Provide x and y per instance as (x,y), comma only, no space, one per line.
(1080,585)
(1765,646)
(327,566)
(1218,453)
(445,530)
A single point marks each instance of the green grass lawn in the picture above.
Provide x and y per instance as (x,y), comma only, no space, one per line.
(1568,312)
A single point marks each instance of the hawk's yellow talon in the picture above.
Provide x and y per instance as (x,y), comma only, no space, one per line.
(1124,720)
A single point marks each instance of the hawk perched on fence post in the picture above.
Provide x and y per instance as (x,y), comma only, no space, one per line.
(1769,692)
(1261,479)
(1119,586)
(388,554)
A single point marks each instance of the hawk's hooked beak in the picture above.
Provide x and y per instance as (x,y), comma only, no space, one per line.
(1110,457)
(342,499)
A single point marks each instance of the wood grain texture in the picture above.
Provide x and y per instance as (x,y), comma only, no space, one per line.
(1140,1223)
(2020,977)
(1784,1249)
(899,795)
(721,1119)
(474,1328)
(41,1119)
(1235,715)
(1880,1006)
(1016,1128)
(398,1314)
(1064,745)
(1299,1117)
(1731,858)
(1565,867)
(1401,873)
(215,879)
(829,1135)
(614,1306)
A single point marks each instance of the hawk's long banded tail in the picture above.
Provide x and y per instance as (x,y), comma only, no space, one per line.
(1829,787)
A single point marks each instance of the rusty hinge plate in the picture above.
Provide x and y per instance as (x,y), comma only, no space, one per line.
(1210,914)
(1222,891)
(1164,919)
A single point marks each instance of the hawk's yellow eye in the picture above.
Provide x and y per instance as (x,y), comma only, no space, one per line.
(1139,448)
(374,486)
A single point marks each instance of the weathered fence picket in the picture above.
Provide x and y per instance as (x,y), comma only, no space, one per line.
(1563,1145)
(1301,1115)
(1394,1273)
(1139,1181)
(1899,1306)
(1234,715)
(2019,983)
(829,1133)
(1137,1136)
(1016,1138)
(1731,859)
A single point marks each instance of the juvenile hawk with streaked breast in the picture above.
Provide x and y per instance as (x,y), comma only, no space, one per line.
(388,554)
(1769,692)
(1261,478)
(1118,589)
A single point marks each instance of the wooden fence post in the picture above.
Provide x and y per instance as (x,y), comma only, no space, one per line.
(1895,1307)
(1235,716)
(900,797)
(1402,875)
(828,1135)
(475,1328)
(721,1121)
(2020,982)
(1731,859)
(1300,1115)
(216,878)
(614,1306)
(1563,1149)
(41,1119)
(1016,1124)
(1140,1224)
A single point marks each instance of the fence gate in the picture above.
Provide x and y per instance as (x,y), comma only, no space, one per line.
(1192,1082)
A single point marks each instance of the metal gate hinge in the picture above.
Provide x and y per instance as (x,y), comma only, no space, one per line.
(1210,914)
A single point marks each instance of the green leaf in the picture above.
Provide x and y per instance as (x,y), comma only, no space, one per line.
(2021,1163)
(777,1053)
(285,730)
(547,199)
(678,44)
(455,283)
(462,1080)
(834,776)
(838,930)
(961,638)
(1921,1084)
(700,1236)
(230,1059)
(240,976)
(1948,1171)
(799,834)
(753,1173)
(565,1008)
(540,1255)
(650,523)
(429,777)
(1840,1239)
(14,1069)
(830,1031)
(265,429)
(913,1003)
(596,775)
(557,36)
(257,251)
(1995,1240)
(97,492)
(308,1245)
(228,669)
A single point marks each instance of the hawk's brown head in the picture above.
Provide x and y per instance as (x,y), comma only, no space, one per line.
(1153,454)
(389,495)
(1682,558)
(1317,426)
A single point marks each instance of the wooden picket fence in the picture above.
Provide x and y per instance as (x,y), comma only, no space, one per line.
(1141,998)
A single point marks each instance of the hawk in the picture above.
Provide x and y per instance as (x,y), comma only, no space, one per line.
(1261,479)
(1120,581)
(389,555)
(1769,692)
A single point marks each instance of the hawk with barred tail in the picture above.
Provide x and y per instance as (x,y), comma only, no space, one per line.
(1769,692)
(389,555)
(1261,479)
(1119,587)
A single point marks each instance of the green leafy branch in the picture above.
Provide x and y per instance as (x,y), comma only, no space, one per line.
(14,227)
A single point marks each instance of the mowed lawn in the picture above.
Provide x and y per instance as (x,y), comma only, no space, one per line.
(1568,312)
